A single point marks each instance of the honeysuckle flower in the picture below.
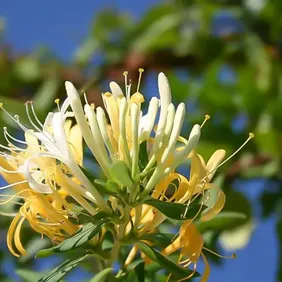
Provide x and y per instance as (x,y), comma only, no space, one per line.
(190,243)
(200,176)
(46,214)
(139,154)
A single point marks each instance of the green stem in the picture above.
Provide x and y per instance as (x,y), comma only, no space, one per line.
(120,233)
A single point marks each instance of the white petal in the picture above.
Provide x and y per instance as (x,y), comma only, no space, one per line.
(191,144)
(59,134)
(178,121)
(35,185)
(71,91)
(165,100)
(148,121)
(47,121)
(164,89)
(116,90)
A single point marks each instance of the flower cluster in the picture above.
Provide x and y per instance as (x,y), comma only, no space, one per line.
(138,154)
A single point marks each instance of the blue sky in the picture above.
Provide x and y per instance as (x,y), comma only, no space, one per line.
(61,25)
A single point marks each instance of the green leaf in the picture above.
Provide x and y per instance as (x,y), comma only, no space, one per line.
(90,175)
(159,239)
(28,68)
(224,220)
(33,247)
(121,174)
(44,97)
(143,156)
(86,50)
(175,210)
(136,271)
(177,271)
(102,275)
(28,275)
(112,187)
(80,238)
(63,269)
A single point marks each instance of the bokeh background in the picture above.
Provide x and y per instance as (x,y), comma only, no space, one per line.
(223,57)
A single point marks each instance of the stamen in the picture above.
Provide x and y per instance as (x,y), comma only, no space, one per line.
(251,136)
(8,171)
(128,89)
(29,117)
(12,197)
(8,214)
(14,150)
(207,117)
(139,79)
(9,157)
(16,118)
(7,134)
(125,74)
(13,184)
(85,98)
(233,256)
(57,102)
(34,114)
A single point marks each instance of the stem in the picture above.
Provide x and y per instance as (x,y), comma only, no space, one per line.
(120,233)
(115,250)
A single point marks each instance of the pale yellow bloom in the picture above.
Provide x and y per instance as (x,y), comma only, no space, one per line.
(46,214)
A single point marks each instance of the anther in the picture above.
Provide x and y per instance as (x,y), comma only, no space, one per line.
(207,117)
(57,102)
(139,79)
(125,74)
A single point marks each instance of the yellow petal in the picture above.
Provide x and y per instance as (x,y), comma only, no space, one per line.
(198,169)
(191,241)
(184,191)
(18,243)
(12,177)
(10,234)
(113,111)
(207,270)
(217,205)
(131,255)
(216,158)
(75,141)
(173,247)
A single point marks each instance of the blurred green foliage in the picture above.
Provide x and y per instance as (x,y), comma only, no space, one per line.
(222,57)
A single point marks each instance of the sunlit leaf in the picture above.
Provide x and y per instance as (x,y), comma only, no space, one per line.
(62,270)
(80,238)
(224,220)
(28,275)
(120,174)
(102,275)
(175,210)
(166,263)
